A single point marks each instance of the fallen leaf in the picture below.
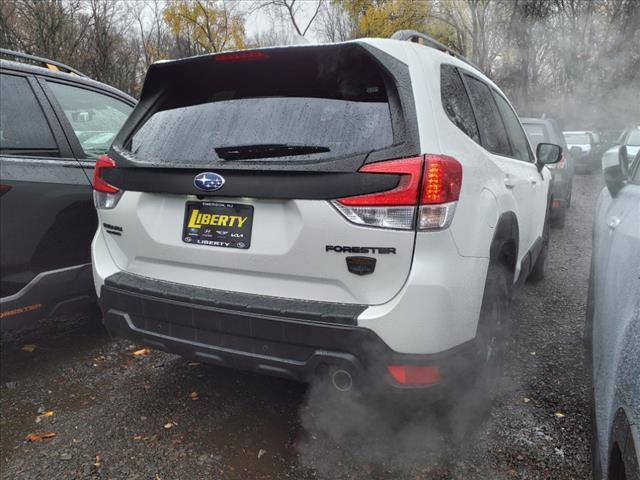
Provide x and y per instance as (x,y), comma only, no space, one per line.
(98,461)
(29,347)
(39,436)
(47,413)
(137,437)
(143,352)
(169,425)
(559,415)
(261,453)
(526,400)
(194,395)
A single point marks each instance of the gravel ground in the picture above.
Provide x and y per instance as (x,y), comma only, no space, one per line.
(155,416)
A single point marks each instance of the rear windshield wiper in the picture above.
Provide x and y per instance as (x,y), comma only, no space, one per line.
(267,150)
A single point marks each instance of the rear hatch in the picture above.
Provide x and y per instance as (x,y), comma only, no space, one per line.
(231,166)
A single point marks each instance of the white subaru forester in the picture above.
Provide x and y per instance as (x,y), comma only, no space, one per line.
(357,210)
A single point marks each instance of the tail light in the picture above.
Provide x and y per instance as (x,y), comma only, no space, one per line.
(105,195)
(429,188)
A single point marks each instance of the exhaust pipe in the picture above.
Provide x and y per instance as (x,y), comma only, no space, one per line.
(341,380)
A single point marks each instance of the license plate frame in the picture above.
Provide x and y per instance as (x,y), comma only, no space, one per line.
(218,224)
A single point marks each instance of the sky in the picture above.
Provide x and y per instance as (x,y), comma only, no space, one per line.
(261,20)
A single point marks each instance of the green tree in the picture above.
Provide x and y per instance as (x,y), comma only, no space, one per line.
(202,26)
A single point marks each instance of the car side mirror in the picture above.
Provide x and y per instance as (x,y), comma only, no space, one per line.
(615,176)
(548,153)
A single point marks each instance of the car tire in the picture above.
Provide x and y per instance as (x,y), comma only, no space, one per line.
(472,399)
(538,270)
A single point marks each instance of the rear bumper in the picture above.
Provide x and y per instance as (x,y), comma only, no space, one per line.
(213,327)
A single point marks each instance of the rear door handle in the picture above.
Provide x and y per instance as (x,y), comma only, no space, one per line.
(509,182)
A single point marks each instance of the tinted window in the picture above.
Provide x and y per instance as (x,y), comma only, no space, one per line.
(23,126)
(456,102)
(335,104)
(264,128)
(94,117)
(577,138)
(492,131)
(518,139)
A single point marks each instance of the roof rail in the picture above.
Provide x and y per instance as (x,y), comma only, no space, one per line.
(43,62)
(417,37)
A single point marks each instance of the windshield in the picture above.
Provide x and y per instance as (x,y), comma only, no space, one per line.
(248,128)
(577,138)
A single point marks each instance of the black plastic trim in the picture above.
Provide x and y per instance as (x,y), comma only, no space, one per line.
(269,338)
(257,184)
(328,312)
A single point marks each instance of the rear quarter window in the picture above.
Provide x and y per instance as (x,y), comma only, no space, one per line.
(456,103)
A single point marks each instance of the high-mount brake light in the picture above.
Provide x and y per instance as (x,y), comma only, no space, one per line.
(105,195)
(429,185)
(240,56)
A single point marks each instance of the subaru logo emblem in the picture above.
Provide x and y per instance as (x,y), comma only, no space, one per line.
(208,181)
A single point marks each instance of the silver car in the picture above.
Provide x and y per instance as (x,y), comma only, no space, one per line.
(613,321)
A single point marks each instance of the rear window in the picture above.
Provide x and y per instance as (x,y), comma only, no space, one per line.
(577,138)
(308,108)
(537,133)
(634,138)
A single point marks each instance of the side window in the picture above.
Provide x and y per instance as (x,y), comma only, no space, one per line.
(24,129)
(492,131)
(456,102)
(94,117)
(518,139)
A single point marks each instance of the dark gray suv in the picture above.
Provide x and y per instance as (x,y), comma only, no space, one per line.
(547,130)
(54,122)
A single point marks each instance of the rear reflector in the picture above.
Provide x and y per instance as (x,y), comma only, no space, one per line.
(102,162)
(414,374)
(429,185)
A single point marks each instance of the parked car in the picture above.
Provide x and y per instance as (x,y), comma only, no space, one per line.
(335,222)
(541,130)
(54,122)
(613,322)
(630,138)
(584,149)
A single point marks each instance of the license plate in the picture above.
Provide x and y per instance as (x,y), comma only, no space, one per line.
(218,224)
